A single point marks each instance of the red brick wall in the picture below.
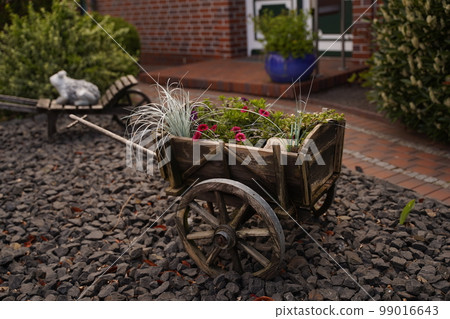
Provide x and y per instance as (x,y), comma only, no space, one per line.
(180,31)
(362,38)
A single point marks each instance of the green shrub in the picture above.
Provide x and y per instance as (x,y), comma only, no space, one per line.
(19,7)
(129,40)
(409,73)
(36,46)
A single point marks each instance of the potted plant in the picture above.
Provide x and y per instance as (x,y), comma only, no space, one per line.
(288,44)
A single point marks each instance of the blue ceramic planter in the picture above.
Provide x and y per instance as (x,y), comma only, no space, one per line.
(288,70)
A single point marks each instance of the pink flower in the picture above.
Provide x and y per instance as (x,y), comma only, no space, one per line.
(264,112)
(197,135)
(236,129)
(214,127)
(244,109)
(202,127)
(240,137)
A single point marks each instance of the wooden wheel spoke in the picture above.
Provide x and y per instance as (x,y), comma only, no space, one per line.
(223,223)
(207,234)
(239,216)
(254,253)
(207,217)
(212,255)
(210,207)
(223,214)
(252,232)
(237,266)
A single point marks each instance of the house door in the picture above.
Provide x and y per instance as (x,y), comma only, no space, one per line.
(329,22)
(329,27)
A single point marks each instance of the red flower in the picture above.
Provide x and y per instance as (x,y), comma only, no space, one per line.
(236,129)
(214,127)
(240,137)
(264,112)
(244,109)
(197,135)
(202,127)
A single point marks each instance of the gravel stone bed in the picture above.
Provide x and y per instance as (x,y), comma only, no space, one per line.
(62,224)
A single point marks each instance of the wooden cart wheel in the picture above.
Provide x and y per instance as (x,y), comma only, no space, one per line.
(225,225)
(133,98)
(322,205)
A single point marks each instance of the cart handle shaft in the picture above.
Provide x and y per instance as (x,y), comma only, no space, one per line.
(111,134)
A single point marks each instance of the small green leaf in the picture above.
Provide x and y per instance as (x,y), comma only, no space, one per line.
(352,78)
(406,210)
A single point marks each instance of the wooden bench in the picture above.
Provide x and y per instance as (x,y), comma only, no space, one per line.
(118,99)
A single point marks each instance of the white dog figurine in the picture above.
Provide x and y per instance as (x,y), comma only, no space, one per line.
(74,92)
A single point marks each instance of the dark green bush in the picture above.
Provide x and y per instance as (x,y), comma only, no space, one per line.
(129,40)
(19,7)
(409,73)
(39,44)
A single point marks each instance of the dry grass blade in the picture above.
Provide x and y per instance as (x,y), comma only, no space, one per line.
(172,115)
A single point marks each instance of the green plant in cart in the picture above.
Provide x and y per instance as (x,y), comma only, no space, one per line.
(235,119)
(172,115)
(241,119)
(252,121)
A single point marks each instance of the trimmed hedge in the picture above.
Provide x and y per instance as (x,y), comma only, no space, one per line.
(36,46)
(129,40)
(409,73)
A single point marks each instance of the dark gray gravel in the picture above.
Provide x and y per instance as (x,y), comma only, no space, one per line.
(61,227)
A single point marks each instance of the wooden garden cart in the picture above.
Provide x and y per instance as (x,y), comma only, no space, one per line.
(119,97)
(231,198)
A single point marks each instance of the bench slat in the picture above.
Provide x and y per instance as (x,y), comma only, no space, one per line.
(43,103)
(109,96)
(119,84)
(113,90)
(55,106)
(132,79)
(70,107)
(125,81)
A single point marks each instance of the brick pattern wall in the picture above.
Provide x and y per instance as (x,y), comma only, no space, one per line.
(182,31)
(362,37)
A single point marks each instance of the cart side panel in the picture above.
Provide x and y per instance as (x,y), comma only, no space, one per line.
(239,163)
(328,139)
(339,147)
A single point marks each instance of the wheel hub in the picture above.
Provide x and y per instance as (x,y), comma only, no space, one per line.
(224,237)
